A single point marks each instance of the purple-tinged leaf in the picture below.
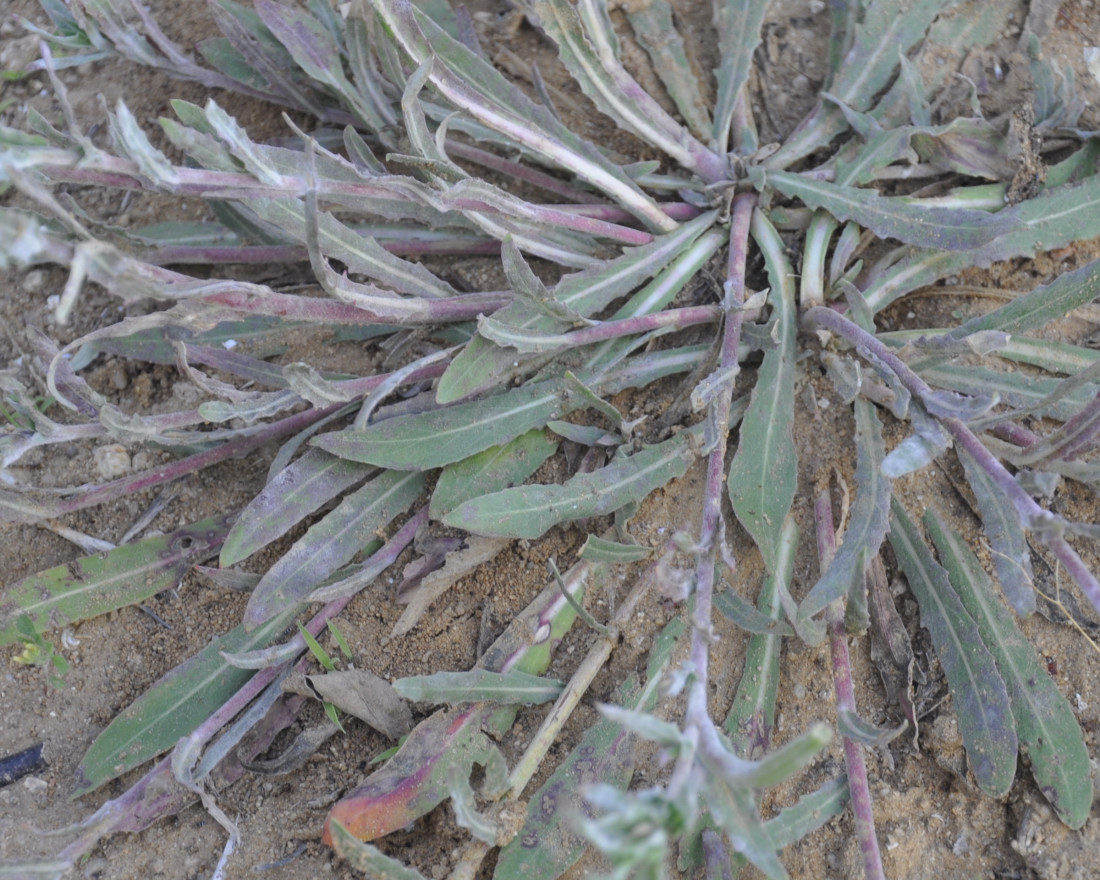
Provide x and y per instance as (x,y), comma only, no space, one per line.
(415,780)
(294,493)
(973,147)
(316,51)
(332,542)
(473,85)
(1010,551)
(980,698)
(1047,728)
(869,521)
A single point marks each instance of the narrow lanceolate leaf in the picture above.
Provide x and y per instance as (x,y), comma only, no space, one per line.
(368,859)
(106,582)
(478,685)
(174,706)
(473,85)
(1010,550)
(907,220)
(1053,219)
(598,549)
(332,542)
(869,522)
(656,32)
(529,511)
(438,437)
(977,688)
(293,494)
(738,24)
(416,779)
(764,472)
(483,364)
(499,467)
(549,843)
(1040,306)
(1045,723)
(751,717)
(584,38)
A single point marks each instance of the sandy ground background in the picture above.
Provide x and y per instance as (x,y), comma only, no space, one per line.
(932,823)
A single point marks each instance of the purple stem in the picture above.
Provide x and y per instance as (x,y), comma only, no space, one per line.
(157,794)
(453,247)
(385,557)
(533,176)
(183,466)
(329,311)
(1044,524)
(846,698)
(674,318)
(697,715)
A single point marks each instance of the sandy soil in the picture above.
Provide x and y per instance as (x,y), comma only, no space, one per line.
(932,823)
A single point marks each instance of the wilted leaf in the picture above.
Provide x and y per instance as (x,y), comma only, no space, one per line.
(369,698)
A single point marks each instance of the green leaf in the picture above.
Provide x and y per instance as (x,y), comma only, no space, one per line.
(483,364)
(977,688)
(737,23)
(598,549)
(1055,218)
(869,521)
(294,493)
(450,434)
(94,585)
(1008,542)
(656,32)
(496,468)
(764,473)
(901,218)
(332,542)
(1040,306)
(751,718)
(174,706)
(529,511)
(1047,728)
(478,685)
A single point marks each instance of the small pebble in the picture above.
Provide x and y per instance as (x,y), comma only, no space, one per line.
(112,461)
